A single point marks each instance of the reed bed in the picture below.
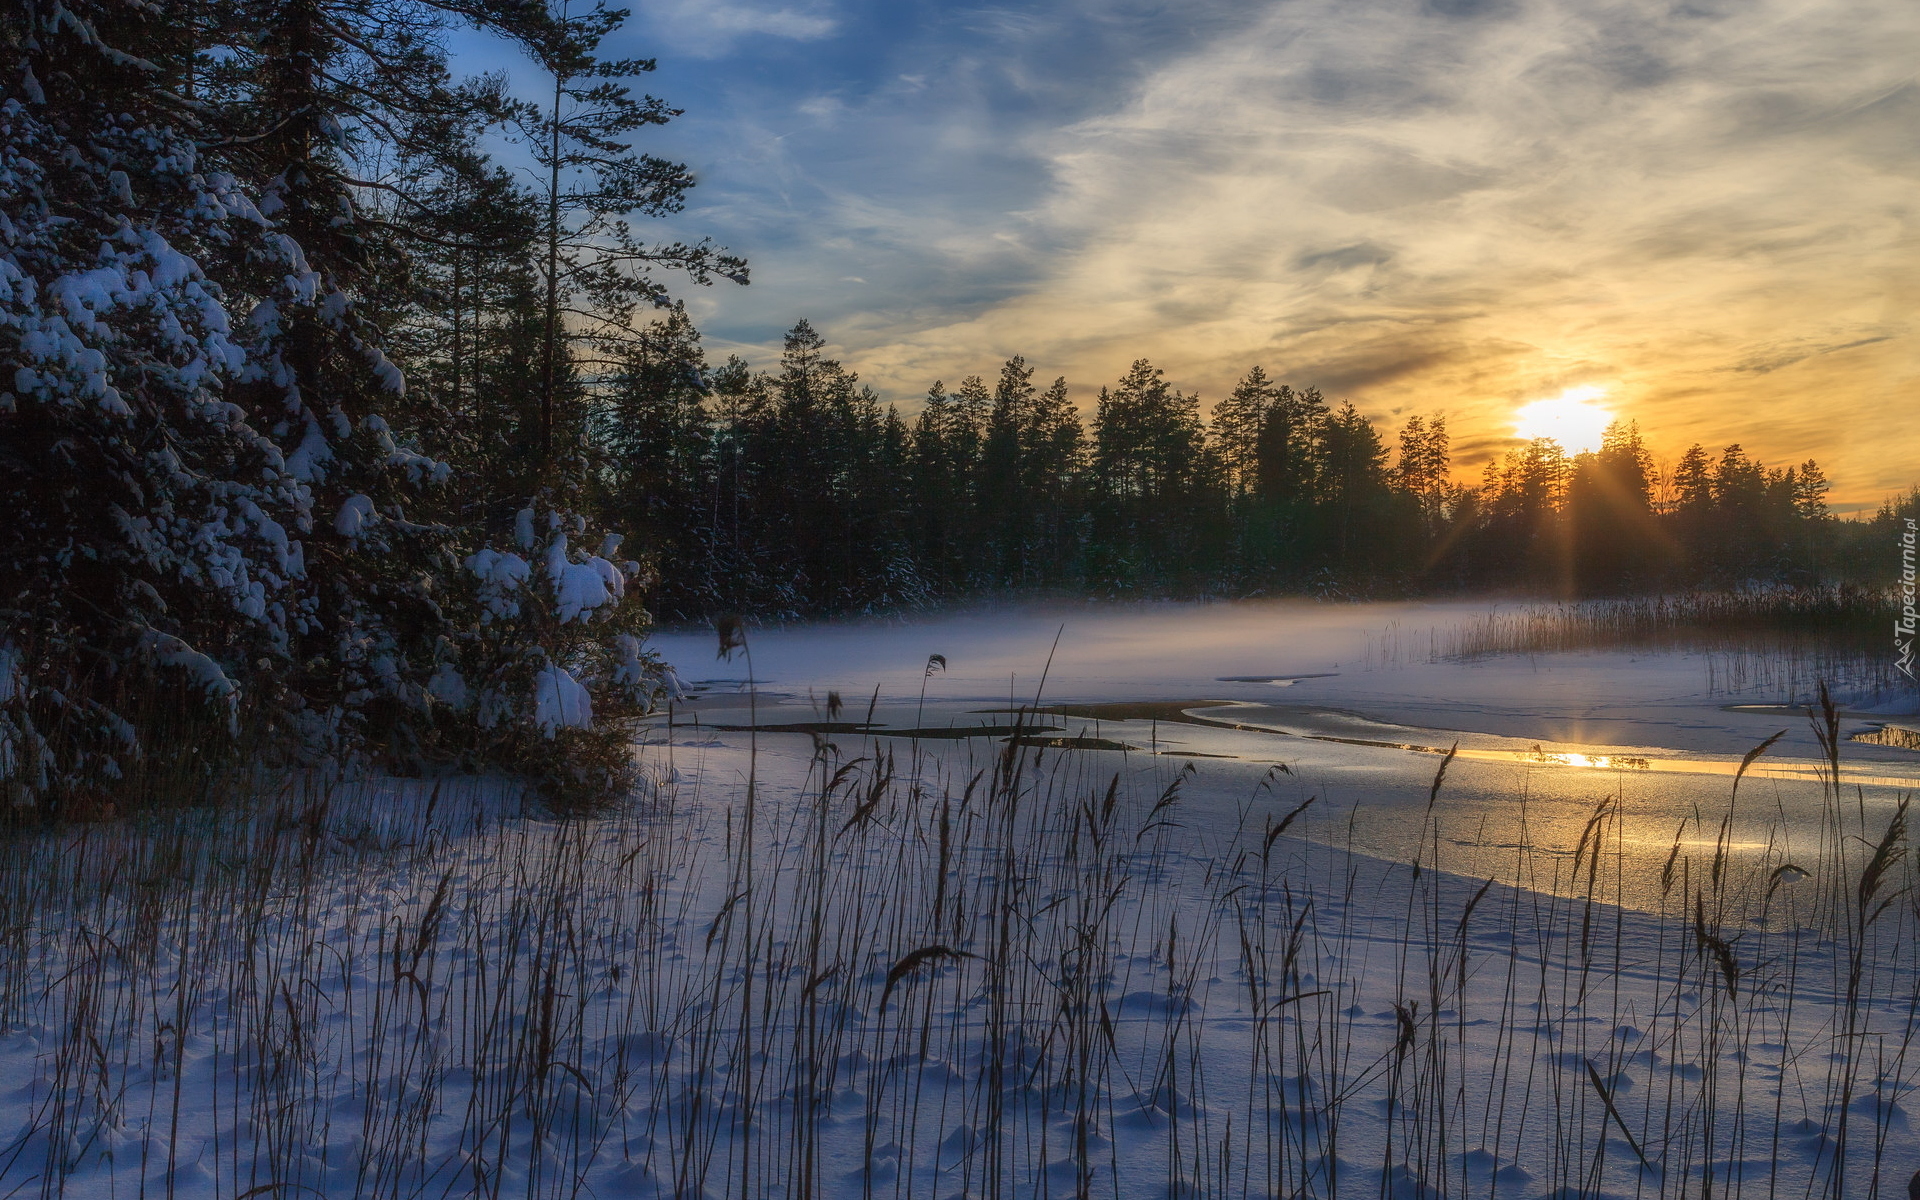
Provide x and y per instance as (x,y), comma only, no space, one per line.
(1785,641)
(907,972)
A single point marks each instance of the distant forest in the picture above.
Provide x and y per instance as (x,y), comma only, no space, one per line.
(795,491)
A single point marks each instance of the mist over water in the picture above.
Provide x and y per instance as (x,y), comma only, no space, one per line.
(1355,705)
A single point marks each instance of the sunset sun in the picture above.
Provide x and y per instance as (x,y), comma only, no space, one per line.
(1573,418)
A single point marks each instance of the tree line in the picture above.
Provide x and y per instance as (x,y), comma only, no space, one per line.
(794,490)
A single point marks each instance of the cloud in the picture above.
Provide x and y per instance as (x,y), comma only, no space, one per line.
(711,28)
(1788,354)
(1423,205)
(1465,205)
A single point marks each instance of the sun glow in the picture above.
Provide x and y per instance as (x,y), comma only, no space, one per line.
(1571,418)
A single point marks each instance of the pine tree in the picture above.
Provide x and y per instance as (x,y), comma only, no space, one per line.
(936,493)
(655,446)
(1053,456)
(1739,483)
(1287,466)
(154,557)
(1609,515)
(1693,481)
(969,411)
(1147,436)
(594,270)
(1521,501)
(1152,474)
(816,452)
(1355,482)
(1237,423)
(1810,492)
(1005,511)
(457,299)
(1052,486)
(1629,463)
(424,635)
(1421,471)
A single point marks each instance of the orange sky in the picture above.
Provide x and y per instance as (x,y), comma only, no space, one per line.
(1731,253)
(1706,209)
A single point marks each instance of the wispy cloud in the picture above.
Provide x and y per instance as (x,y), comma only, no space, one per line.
(710,28)
(1426,205)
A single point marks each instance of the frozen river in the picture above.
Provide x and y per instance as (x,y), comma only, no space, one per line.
(1351,698)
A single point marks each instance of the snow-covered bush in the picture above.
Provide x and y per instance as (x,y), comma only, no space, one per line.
(542,656)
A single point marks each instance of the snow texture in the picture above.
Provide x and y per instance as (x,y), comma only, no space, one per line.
(448,687)
(355,512)
(559,702)
(501,576)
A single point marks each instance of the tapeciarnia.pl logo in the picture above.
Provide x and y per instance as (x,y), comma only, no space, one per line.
(1904,625)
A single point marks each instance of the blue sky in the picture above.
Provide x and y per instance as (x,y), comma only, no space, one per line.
(883,163)
(1706,208)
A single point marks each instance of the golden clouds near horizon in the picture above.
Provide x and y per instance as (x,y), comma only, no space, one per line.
(1710,208)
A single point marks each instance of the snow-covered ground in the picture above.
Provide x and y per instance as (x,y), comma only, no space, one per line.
(853,963)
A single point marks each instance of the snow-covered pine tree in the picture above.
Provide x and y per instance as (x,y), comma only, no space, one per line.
(153,532)
(205,499)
